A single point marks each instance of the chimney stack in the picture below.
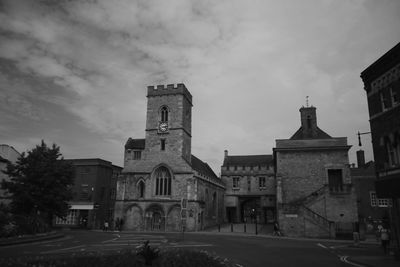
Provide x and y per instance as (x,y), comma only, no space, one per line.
(360,158)
(225,153)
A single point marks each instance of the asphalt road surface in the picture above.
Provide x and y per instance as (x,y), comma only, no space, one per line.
(248,251)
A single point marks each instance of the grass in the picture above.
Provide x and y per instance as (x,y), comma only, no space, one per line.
(131,258)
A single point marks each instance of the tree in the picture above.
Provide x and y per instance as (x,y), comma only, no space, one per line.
(40,183)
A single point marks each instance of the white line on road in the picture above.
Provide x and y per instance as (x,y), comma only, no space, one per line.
(322,246)
(61,249)
(344,259)
(184,246)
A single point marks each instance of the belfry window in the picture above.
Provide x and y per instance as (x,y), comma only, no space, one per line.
(164,114)
(141,187)
(163,182)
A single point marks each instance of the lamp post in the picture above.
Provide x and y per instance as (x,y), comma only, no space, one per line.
(359,137)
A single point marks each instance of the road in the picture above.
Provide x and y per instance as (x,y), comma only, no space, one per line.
(248,251)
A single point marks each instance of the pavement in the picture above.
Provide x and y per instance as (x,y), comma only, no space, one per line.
(365,254)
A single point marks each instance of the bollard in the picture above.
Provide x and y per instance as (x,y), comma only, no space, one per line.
(219,227)
(244,226)
(231,227)
(256,227)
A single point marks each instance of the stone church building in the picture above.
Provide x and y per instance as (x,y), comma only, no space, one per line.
(163,187)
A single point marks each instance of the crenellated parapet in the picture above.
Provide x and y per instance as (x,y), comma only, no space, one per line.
(170,89)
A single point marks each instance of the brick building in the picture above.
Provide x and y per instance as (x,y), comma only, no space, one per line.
(372,211)
(94,192)
(250,188)
(315,195)
(160,172)
(8,154)
(382,85)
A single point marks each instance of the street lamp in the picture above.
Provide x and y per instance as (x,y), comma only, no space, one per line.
(359,137)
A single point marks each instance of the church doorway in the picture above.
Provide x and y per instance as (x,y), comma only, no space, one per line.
(155,219)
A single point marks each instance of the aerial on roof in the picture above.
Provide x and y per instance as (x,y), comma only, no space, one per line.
(249,160)
(135,143)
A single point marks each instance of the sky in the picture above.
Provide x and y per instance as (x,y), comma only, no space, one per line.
(76,72)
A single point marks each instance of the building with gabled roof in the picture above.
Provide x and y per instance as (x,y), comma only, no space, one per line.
(315,194)
(163,187)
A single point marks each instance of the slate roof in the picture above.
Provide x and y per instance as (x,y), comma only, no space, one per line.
(135,143)
(249,160)
(202,167)
(300,135)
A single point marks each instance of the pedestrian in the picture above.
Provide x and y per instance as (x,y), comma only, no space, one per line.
(385,239)
(117,224)
(105,226)
(121,224)
(276,229)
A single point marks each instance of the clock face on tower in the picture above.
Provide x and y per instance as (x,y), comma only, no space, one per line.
(163,127)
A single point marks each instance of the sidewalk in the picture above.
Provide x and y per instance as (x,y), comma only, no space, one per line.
(30,238)
(370,255)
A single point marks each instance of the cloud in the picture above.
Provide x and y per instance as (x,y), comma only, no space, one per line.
(248,66)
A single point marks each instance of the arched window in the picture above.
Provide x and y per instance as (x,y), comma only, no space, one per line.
(163,182)
(141,187)
(164,114)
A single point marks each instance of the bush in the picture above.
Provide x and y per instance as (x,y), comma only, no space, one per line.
(165,258)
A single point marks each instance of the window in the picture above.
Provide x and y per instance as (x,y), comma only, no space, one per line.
(379,202)
(335,180)
(137,155)
(309,122)
(141,188)
(248,184)
(235,183)
(163,182)
(214,203)
(243,167)
(70,219)
(162,144)
(373,199)
(392,153)
(384,101)
(84,192)
(164,114)
(103,189)
(261,183)
(394,96)
(235,168)
(112,193)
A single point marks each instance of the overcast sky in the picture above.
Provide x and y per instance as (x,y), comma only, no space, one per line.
(75,73)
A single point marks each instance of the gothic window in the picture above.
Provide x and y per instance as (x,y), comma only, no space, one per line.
(163,182)
(141,187)
(392,152)
(162,144)
(164,114)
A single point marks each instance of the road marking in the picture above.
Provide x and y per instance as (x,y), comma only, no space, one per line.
(344,259)
(184,246)
(322,246)
(61,249)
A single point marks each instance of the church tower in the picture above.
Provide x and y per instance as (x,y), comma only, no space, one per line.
(169,121)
